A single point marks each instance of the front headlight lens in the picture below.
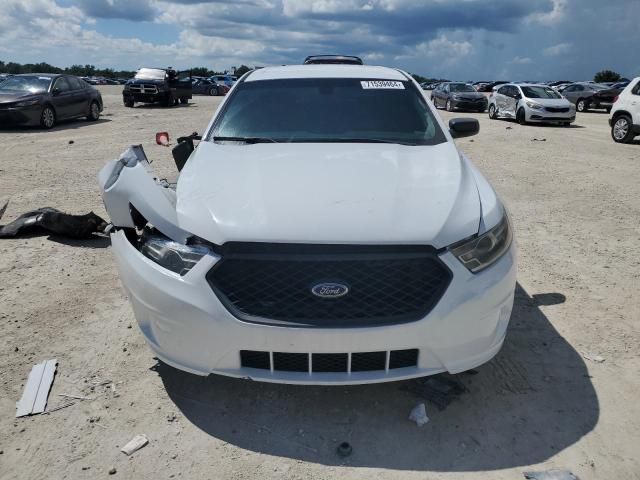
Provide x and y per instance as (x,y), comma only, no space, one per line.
(535,106)
(482,251)
(27,103)
(177,257)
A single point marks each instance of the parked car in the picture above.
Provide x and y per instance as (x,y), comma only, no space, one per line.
(488,87)
(624,117)
(227,80)
(204,86)
(304,243)
(332,60)
(45,99)
(588,95)
(530,103)
(458,96)
(158,85)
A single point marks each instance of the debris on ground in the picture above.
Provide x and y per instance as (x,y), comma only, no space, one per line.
(36,391)
(135,444)
(508,128)
(77,397)
(439,389)
(419,415)
(48,220)
(344,449)
(71,142)
(59,407)
(538,139)
(162,138)
(112,471)
(551,475)
(593,357)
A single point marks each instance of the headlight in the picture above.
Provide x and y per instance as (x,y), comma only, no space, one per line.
(456,97)
(27,103)
(535,106)
(177,257)
(482,251)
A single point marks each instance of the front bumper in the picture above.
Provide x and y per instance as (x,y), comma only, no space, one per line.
(187,327)
(475,105)
(21,115)
(545,116)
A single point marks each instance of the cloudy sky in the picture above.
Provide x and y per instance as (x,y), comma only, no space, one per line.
(461,39)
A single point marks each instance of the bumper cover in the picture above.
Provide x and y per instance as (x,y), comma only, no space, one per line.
(187,327)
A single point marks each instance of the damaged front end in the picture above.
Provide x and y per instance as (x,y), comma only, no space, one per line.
(144,207)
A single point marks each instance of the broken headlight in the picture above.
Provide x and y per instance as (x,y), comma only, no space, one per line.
(479,252)
(174,256)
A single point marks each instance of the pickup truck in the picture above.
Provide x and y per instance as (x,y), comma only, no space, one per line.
(158,85)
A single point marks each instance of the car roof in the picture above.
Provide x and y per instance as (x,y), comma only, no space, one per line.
(52,75)
(325,71)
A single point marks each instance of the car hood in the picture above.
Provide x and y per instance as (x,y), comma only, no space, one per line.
(139,81)
(551,102)
(469,95)
(328,193)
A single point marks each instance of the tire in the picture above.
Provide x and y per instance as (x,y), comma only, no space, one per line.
(492,112)
(47,117)
(184,100)
(129,103)
(94,112)
(521,117)
(448,106)
(214,92)
(582,105)
(622,129)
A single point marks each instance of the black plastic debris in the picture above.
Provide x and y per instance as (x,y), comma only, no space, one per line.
(551,475)
(44,221)
(344,449)
(439,389)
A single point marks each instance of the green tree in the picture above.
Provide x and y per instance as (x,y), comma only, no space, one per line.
(606,76)
(241,70)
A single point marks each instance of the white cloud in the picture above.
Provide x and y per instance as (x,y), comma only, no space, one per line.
(521,60)
(559,49)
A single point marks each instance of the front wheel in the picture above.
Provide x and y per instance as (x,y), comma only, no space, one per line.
(47,117)
(129,103)
(449,107)
(94,112)
(213,91)
(621,130)
(492,111)
(521,117)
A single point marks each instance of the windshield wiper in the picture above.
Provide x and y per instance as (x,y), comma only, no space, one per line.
(245,139)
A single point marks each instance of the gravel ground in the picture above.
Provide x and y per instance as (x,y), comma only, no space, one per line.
(574,199)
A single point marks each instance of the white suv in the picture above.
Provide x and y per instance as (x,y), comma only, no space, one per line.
(326,230)
(624,118)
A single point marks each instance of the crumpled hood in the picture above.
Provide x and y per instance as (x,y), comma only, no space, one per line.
(328,193)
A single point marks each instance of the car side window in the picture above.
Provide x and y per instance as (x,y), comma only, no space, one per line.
(579,88)
(75,83)
(503,90)
(62,84)
(636,89)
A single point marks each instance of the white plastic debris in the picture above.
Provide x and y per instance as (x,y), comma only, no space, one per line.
(136,443)
(593,357)
(550,475)
(36,391)
(419,415)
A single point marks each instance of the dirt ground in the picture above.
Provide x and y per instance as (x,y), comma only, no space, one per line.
(574,197)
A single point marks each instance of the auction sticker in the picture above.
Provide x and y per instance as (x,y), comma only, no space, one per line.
(382,84)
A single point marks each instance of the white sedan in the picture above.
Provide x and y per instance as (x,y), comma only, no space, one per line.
(325,230)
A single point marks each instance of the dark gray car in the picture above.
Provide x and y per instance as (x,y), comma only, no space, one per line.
(587,95)
(44,99)
(458,95)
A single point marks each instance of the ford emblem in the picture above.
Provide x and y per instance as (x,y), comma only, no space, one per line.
(330,290)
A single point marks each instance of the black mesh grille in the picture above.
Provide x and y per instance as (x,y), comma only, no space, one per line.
(557,109)
(329,362)
(368,361)
(403,358)
(291,362)
(272,283)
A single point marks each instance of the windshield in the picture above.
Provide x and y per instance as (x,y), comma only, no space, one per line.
(150,74)
(328,110)
(540,92)
(461,87)
(597,86)
(31,84)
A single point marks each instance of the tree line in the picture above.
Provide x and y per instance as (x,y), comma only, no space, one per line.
(93,71)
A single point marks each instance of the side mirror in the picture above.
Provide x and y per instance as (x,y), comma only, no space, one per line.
(463,127)
(55,91)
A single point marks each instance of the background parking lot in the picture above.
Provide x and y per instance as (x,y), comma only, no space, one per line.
(574,199)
